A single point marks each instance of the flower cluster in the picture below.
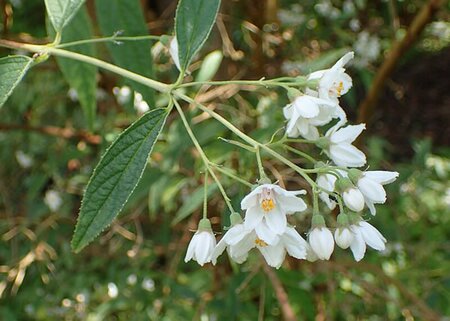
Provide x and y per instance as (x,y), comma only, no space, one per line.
(338,181)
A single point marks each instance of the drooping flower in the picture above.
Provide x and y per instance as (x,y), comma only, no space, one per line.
(370,184)
(334,82)
(340,148)
(353,199)
(202,244)
(269,204)
(240,241)
(343,235)
(364,233)
(173,50)
(321,239)
(306,113)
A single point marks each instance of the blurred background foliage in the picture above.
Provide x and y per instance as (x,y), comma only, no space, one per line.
(135,270)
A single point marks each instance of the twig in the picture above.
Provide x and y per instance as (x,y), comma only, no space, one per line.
(398,49)
(280,293)
(66,133)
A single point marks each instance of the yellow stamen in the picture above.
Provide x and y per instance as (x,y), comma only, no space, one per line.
(340,88)
(267,204)
(260,242)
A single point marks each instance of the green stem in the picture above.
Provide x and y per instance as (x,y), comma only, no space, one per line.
(205,159)
(107,39)
(260,82)
(315,201)
(205,196)
(231,175)
(247,138)
(262,174)
(302,154)
(90,60)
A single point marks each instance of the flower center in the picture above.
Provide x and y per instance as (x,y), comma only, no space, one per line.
(267,204)
(260,242)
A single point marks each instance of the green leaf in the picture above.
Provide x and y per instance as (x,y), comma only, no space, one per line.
(194,202)
(116,176)
(79,75)
(126,16)
(193,23)
(12,70)
(61,12)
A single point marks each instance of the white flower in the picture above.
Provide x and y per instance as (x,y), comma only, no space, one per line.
(340,149)
(326,181)
(53,200)
(371,184)
(238,241)
(334,82)
(307,112)
(173,50)
(343,237)
(322,242)
(353,199)
(24,160)
(364,233)
(269,203)
(202,244)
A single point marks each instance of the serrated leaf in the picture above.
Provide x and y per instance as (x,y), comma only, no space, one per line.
(79,75)
(116,176)
(127,16)
(60,12)
(12,70)
(193,23)
(194,202)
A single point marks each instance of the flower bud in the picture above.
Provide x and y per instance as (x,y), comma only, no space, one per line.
(343,237)
(322,242)
(353,199)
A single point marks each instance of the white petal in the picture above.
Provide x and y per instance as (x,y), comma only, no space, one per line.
(347,134)
(218,250)
(281,191)
(358,245)
(347,155)
(253,216)
(204,247)
(382,177)
(370,206)
(353,199)
(317,74)
(243,247)
(266,234)
(251,199)
(290,204)
(322,242)
(274,255)
(235,234)
(276,221)
(372,190)
(190,250)
(295,245)
(372,236)
(306,108)
(344,60)
(287,111)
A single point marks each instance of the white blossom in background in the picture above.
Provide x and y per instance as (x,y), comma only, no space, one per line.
(113,290)
(364,233)
(140,104)
(326,182)
(24,160)
(53,200)
(367,49)
(370,184)
(72,94)
(340,148)
(306,113)
(173,50)
(334,82)
(202,244)
(123,94)
(269,204)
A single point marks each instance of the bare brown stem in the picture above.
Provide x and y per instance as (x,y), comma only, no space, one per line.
(398,49)
(280,293)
